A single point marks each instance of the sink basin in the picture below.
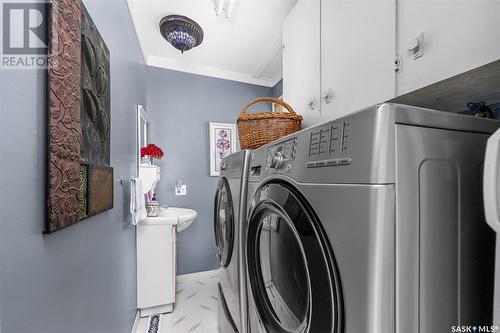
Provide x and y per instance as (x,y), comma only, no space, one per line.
(181,217)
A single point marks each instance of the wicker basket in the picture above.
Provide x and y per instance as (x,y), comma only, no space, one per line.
(257,129)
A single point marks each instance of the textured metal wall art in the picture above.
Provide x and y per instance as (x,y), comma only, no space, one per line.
(100,189)
(63,121)
(95,118)
(80,179)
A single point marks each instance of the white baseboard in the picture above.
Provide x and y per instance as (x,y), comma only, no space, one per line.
(136,322)
(156,310)
(197,275)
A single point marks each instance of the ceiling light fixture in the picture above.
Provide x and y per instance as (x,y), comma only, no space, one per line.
(225,6)
(181,31)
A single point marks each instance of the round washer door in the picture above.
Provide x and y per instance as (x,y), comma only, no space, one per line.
(224,222)
(292,271)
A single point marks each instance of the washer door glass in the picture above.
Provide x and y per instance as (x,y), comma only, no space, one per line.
(292,271)
(224,223)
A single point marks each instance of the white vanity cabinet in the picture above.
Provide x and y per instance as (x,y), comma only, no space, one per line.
(156,258)
(457,36)
(156,266)
(301,60)
(357,55)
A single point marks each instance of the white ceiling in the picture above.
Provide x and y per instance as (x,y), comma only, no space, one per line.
(246,47)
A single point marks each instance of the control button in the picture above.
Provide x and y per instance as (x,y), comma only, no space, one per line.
(345,161)
(334,162)
(288,167)
(319,164)
(310,164)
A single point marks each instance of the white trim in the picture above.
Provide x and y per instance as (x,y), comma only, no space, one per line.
(136,322)
(277,79)
(165,63)
(195,276)
(157,310)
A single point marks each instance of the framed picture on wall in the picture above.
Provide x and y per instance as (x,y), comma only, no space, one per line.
(222,143)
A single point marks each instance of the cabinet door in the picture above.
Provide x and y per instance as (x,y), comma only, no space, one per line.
(301,60)
(458,36)
(155,266)
(357,54)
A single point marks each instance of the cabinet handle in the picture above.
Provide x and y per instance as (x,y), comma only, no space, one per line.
(416,46)
(327,96)
(311,105)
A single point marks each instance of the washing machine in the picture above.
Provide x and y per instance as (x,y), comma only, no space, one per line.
(229,211)
(371,223)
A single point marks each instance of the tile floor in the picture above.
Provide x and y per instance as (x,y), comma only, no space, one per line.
(195,310)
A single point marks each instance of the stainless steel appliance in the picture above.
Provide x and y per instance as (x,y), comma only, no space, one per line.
(229,210)
(371,223)
(491,194)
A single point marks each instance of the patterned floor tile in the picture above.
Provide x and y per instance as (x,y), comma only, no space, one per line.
(195,309)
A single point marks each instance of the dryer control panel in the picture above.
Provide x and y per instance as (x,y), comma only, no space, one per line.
(281,153)
(358,148)
(329,145)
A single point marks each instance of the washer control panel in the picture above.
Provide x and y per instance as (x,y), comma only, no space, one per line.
(279,154)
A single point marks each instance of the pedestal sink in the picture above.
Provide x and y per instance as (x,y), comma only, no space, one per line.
(180,217)
(156,259)
(184,216)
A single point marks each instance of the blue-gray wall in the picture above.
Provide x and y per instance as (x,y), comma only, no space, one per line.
(180,106)
(278,89)
(80,279)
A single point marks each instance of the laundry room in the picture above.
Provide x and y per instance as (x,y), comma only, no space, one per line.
(249,166)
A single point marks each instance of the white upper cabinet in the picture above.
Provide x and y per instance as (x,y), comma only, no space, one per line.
(301,60)
(358,49)
(339,55)
(457,36)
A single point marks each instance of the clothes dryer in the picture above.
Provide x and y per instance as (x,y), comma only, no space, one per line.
(371,223)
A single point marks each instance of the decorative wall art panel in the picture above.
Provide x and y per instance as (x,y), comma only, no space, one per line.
(95,118)
(63,121)
(95,104)
(84,185)
(100,189)
(80,179)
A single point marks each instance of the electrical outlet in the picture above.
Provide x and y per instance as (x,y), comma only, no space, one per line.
(182,190)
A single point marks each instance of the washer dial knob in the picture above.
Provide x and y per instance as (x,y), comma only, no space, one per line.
(276,160)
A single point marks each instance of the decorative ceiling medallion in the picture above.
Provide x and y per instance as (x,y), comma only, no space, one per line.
(181,31)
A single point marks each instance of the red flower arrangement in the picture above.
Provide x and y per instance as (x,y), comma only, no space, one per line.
(152,151)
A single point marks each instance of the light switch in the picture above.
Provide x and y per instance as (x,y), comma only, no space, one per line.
(181,190)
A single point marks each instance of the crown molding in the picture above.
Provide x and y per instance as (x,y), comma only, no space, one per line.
(166,63)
